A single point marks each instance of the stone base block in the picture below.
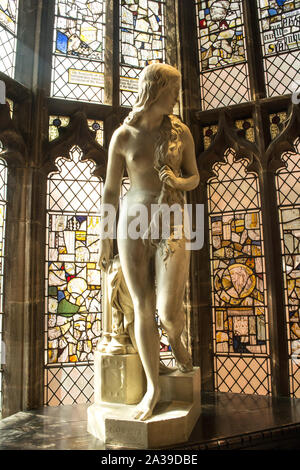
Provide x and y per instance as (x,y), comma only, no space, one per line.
(172,422)
(118,378)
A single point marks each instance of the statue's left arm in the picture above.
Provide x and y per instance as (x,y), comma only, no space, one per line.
(190,175)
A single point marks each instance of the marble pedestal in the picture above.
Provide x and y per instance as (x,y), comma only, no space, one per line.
(172,422)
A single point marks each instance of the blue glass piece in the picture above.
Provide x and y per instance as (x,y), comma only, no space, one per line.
(81,218)
(280,2)
(60,295)
(206,11)
(56,122)
(61,42)
(96,126)
(272,12)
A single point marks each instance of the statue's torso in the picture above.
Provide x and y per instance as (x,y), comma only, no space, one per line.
(138,149)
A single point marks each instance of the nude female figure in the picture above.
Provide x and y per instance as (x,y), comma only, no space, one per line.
(158,152)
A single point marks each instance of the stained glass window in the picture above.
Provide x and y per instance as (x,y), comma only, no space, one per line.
(97,126)
(55,122)
(3,188)
(238,280)
(8,35)
(78,50)
(288,196)
(222,53)
(280,33)
(247,128)
(73,283)
(11,107)
(276,123)
(209,133)
(142,39)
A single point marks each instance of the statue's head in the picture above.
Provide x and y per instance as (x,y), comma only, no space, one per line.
(155,79)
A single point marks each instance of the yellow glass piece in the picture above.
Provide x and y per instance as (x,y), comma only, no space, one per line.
(238,226)
(81,236)
(91,265)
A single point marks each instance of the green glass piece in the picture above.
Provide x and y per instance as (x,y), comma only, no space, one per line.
(53,291)
(66,308)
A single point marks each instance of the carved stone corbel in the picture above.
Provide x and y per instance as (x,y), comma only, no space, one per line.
(284,142)
(228,136)
(14,147)
(76,133)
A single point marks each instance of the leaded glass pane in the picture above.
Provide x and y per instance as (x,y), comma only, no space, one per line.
(276,123)
(11,107)
(247,128)
(222,53)
(288,196)
(73,279)
(55,122)
(142,37)
(78,50)
(280,33)
(209,133)
(97,127)
(8,35)
(238,280)
(3,189)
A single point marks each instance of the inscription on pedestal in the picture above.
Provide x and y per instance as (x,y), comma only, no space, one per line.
(118,431)
(114,374)
(118,378)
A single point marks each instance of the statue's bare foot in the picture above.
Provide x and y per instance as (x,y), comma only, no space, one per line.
(183,358)
(145,408)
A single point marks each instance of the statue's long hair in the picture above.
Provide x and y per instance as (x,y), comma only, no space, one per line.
(154,79)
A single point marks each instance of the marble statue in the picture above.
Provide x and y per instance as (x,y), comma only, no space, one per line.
(157,150)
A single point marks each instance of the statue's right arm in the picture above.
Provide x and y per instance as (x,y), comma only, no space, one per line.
(115,169)
(111,194)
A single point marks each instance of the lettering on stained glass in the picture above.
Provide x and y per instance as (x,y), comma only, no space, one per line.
(83,77)
(280,25)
